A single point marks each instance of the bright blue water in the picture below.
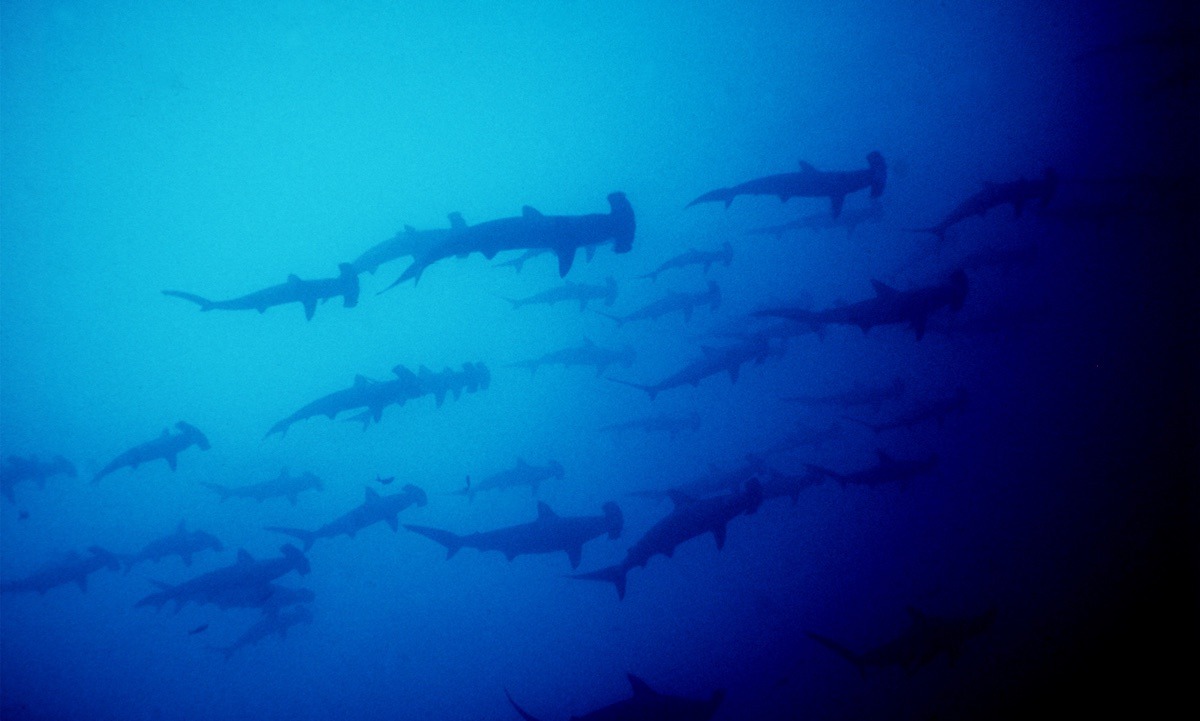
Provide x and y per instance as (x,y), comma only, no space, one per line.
(218,149)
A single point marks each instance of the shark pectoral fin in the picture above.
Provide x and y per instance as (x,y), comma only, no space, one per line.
(310,308)
(719,535)
(172,461)
(566,256)
(575,553)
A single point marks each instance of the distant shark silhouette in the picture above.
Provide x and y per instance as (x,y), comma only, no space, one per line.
(182,543)
(926,638)
(858,395)
(246,575)
(374,509)
(935,410)
(408,242)
(888,307)
(305,292)
(585,354)
(274,624)
(727,359)
(645,704)
(888,470)
(568,291)
(1016,193)
(166,447)
(685,303)
(522,474)
(16,469)
(703,258)
(808,183)
(561,234)
(849,218)
(284,485)
(690,518)
(75,568)
(550,533)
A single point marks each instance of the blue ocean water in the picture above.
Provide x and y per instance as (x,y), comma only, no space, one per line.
(217,148)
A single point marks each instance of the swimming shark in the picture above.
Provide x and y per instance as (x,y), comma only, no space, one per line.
(581,293)
(517,263)
(549,533)
(522,474)
(924,640)
(1015,193)
(673,302)
(645,704)
(888,307)
(305,292)
(374,395)
(888,470)
(16,469)
(408,242)
(661,423)
(585,354)
(1000,319)
(181,542)
(703,258)
(691,517)
(268,597)
(726,359)
(75,568)
(858,395)
(284,485)
(934,410)
(374,509)
(803,435)
(246,573)
(472,377)
(808,183)
(166,447)
(716,480)
(789,485)
(849,218)
(561,234)
(274,624)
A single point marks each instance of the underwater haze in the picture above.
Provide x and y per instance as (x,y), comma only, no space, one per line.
(708,360)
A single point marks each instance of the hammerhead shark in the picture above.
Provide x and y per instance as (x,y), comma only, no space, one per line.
(673,302)
(374,395)
(408,242)
(888,470)
(305,292)
(934,410)
(273,624)
(849,218)
(522,474)
(808,183)
(561,234)
(568,291)
(888,307)
(690,518)
(858,395)
(1015,193)
(374,509)
(703,258)
(716,480)
(726,359)
(75,568)
(246,573)
(167,447)
(585,354)
(924,640)
(661,423)
(645,704)
(16,469)
(182,543)
(550,533)
(284,485)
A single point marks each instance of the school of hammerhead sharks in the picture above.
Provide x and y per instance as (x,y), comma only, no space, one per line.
(704,506)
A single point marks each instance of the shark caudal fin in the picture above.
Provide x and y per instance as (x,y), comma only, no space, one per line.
(612,574)
(720,195)
(878,173)
(650,390)
(304,536)
(524,714)
(840,650)
(452,541)
(204,303)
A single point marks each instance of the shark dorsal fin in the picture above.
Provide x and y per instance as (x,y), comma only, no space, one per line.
(807,167)
(640,688)
(882,289)
(293,279)
(359,382)
(456,221)
(528,211)
(166,433)
(544,511)
(244,557)
(409,229)
(371,496)
(884,458)
(402,372)
(679,498)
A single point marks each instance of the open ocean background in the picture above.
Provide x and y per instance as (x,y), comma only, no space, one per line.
(219,147)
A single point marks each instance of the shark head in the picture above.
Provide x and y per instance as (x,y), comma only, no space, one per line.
(296,557)
(623,222)
(311,481)
(418,495)
(194,434)
(614,520)
(348,284)
(878,173)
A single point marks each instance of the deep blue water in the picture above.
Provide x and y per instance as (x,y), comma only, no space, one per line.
(218,148)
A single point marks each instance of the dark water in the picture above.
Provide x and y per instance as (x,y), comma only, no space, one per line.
(217,149)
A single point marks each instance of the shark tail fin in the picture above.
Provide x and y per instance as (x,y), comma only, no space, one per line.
(611,574)
(304,536)
(840,650)
(452,541)
(720,195)
(524,714)
(204,303)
